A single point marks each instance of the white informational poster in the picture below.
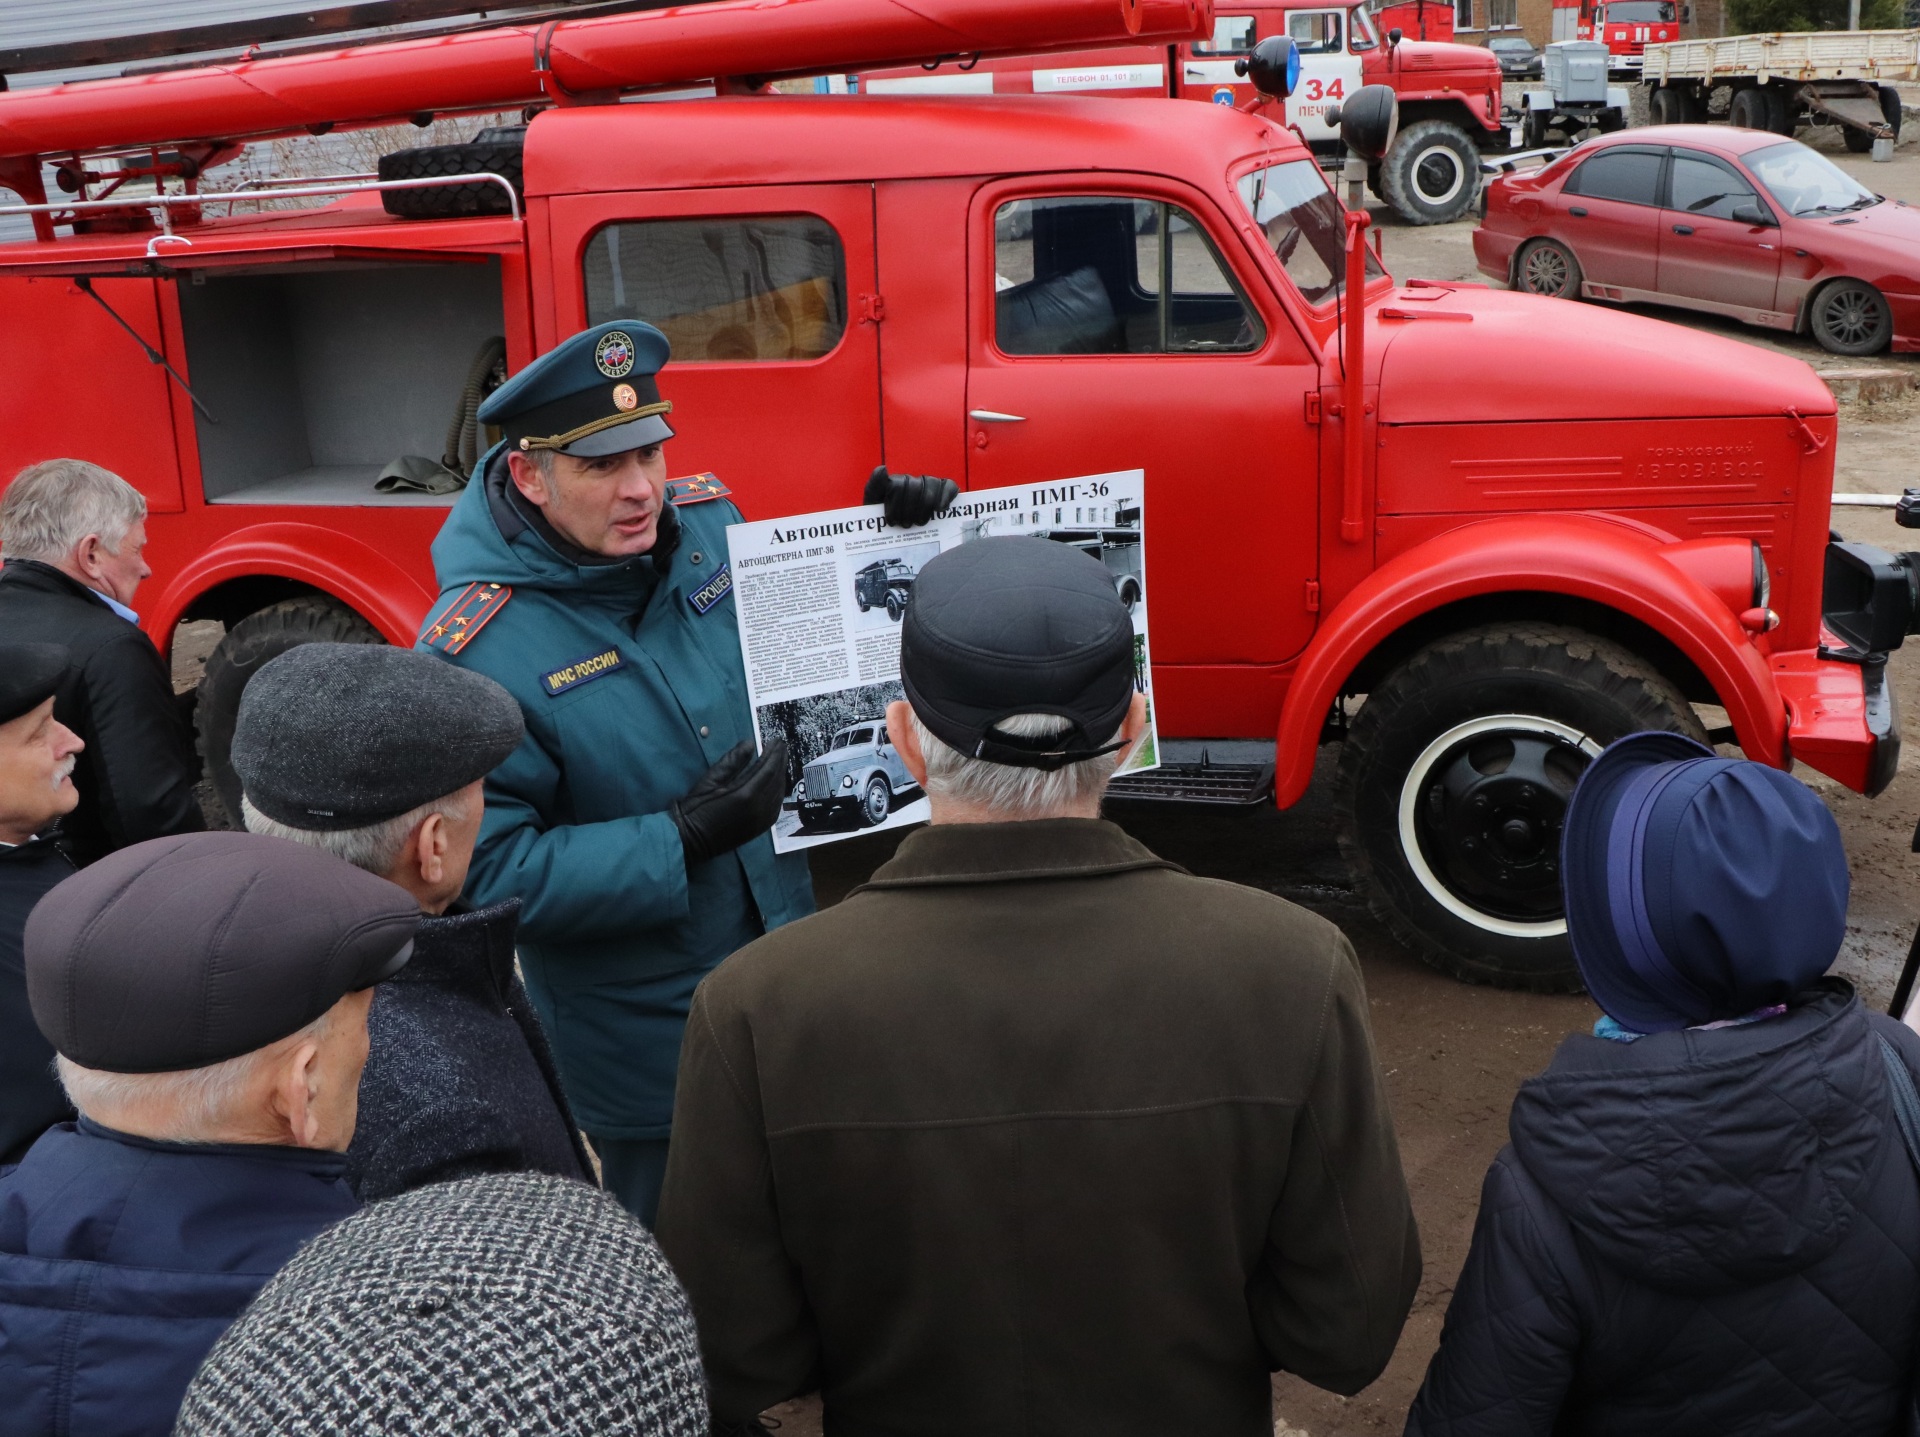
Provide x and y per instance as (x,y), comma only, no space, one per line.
(820,599)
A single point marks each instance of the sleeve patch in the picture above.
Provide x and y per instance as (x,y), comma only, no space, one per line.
(453,628)
(695,490)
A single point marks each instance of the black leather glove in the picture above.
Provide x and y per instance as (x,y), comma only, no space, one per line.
(911,499)
(735,800)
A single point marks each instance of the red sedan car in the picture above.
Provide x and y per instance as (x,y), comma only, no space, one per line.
(1734,222)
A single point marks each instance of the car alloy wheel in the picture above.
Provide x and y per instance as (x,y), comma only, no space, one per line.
(1548,269)
(1850,317)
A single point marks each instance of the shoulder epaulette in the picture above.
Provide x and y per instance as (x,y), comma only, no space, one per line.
(465,615)
(695,490)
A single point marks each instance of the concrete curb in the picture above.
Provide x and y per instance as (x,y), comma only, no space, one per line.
(1869,386)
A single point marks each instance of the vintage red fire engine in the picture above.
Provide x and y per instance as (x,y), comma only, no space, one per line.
(1449,95)
(1343,507)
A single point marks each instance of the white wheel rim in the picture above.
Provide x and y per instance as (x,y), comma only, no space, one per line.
(1415,784)
(1453,162)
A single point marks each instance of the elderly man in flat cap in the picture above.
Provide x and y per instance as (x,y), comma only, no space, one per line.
(1035,1132)
(633,820)
(376,755)
(37,754)
(207,995)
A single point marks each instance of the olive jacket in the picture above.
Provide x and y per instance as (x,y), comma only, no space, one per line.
(1038,1133)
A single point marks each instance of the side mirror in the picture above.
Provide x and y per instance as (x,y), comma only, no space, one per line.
(1751,215)
(1368,122)
(1686,14)
(1274,66)
(1395,35)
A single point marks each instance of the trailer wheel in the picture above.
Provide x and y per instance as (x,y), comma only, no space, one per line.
(1666,107)
(1547,267)
(1432,174)
(1851,317)
(1453,785)
(1859,141)
(1748,109)
(493,151)
(238,657)
(1782,116)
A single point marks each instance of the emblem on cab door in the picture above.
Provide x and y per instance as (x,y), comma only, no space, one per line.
(614,354)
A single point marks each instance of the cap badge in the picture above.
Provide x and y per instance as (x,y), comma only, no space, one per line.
(614,354)
(624,397)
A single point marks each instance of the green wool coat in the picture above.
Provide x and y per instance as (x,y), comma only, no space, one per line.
(630,693)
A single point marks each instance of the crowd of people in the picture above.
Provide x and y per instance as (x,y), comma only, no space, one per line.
(496,1074)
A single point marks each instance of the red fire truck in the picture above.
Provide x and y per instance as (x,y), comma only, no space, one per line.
(1472,586)
(1449,95)
(1626,26)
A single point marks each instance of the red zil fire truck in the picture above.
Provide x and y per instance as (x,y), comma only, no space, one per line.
(1471,586)
(1449,95)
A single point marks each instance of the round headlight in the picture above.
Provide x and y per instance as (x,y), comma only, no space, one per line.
(847,782)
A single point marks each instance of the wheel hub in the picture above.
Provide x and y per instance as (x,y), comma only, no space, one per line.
(1438,175)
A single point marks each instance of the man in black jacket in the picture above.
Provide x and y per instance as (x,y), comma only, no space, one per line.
(376,755)
(72,535)
(37,755)
(1707,1221)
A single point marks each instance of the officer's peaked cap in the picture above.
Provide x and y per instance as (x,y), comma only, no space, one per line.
(591,395)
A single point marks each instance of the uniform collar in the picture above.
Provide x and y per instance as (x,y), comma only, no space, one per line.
(943,854)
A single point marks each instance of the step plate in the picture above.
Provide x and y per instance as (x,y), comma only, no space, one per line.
(1238,784)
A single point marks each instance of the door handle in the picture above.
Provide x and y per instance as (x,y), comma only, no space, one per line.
(994,416)
(1579,212)
(1683,229)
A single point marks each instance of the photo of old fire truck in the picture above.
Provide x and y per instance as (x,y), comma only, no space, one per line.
(1471,589)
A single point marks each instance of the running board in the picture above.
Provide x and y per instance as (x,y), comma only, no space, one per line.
(1200,779)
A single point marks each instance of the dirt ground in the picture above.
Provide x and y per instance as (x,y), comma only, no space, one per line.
(1454,1055)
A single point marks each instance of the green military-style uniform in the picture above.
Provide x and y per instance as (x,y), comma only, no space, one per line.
(629,674)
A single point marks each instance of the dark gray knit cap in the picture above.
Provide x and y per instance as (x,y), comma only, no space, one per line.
(517,1303)
(334,736)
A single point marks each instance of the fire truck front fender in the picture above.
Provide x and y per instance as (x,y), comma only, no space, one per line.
(1580,557)
(389,597)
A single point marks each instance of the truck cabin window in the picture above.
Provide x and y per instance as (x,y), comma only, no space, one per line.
(1806,182)
(1305,225)
(1232,35)
(1316,32)
(1639,12)
(1100,274)
(1629,176)
(1704,187)
(732,289)
(1361,35)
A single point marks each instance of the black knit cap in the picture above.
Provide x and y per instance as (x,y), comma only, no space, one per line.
(1007,626)
(515,1303)
(183,952)
(336,736)
(29,675)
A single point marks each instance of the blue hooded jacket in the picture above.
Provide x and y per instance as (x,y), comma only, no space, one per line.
(631,691)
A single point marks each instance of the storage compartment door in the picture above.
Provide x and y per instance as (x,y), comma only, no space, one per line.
(769,297)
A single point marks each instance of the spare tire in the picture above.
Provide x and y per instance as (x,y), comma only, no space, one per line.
(496,152)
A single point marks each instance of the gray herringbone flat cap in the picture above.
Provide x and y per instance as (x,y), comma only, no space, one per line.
(519,1303)
(334,736)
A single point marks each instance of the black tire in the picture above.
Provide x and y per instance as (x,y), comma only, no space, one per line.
(1891,107)
(864,605)
(1666,107)
(1850,317)
(1470,749)
(1373,183)
(1857,141)
(896,606)
(1533,130)
(1432,173)
(1782,117)
(249,644)
(500,156)
(1129,591)
(877,802)
(1548,268)
(1748,110)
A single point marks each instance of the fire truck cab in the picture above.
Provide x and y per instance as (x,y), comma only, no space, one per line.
(1626,26)
(1473,588)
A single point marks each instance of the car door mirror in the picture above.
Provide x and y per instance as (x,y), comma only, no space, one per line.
(1751,214)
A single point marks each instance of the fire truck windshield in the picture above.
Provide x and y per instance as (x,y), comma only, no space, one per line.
(1639,12)
(1304,223)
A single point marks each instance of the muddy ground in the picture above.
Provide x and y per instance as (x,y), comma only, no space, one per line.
(1453,1054)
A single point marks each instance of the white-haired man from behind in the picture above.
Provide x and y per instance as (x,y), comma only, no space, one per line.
(72,537)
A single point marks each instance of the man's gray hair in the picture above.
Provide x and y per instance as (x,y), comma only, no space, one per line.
(51,506)
(1007,790)
(199,1102)
(375,848)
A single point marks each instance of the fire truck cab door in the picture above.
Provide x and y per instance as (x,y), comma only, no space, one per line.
(768,297)
(1331,43)
(1108,330)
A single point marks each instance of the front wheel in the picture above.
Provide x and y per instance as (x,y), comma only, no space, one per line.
(1432,174)
(877,802)
(1547,267)
(1851,317)
(1453,786)
(896,606)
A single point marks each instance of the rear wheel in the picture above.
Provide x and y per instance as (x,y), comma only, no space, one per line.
(1666,107)
(314,619)
(1453,786)
(1547,267)
(1851,317)
(1780,113)
(1431,174)
(1749,109)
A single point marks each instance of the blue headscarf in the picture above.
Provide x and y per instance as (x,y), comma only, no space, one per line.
(1698,888)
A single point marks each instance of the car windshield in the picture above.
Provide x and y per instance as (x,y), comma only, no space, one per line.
(1806,183)
(1640,12)
(1508,45)
(1305,224)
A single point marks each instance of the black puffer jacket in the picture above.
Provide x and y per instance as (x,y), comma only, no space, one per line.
(31,1099)
(1699,1233)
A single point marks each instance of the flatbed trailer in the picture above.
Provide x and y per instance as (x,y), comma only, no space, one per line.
(1781,82)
